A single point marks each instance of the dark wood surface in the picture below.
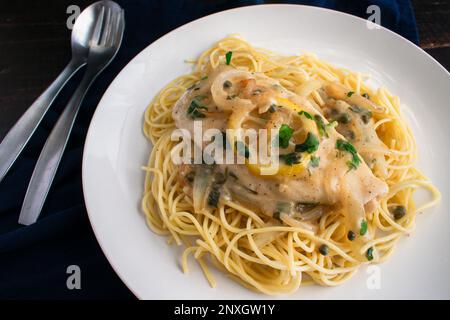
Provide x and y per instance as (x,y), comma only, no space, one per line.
(35,46)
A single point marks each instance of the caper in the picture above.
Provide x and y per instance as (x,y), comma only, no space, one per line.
(351,235)
(399,212)
(190,176)
(366,116)
(369,254)
(323,249)
(344,118)
(227,84)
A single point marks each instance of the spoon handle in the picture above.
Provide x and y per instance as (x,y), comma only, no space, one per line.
(48,162)
(16,139)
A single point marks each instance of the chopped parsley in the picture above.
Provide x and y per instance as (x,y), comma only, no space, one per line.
(204,78)
(363,229)
(291,158)
(228,57)
(366,95)
(193,111)
(306,114)
(242,149)
(314,162)
(343,145)
(350,93)
(284,135)
(321,125)
(310,145)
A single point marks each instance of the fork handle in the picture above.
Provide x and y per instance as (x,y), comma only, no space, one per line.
(16,139)
(50,156)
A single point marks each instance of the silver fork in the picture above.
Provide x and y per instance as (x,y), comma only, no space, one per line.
(105,42)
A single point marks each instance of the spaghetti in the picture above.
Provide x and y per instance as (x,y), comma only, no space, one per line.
(260,252)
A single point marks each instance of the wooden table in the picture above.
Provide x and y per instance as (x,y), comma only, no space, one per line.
(35,46)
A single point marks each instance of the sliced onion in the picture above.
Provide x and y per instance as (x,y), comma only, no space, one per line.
(308,87)
(295,223)
(309,215)
(202,183)
(263,239)
(339,92)
(220,96)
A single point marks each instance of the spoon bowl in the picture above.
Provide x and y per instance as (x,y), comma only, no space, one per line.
(84,27)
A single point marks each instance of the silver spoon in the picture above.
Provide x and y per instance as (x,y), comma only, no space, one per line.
(16,139)
(103,46)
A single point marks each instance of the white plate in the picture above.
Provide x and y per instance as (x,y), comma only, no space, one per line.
(116,149)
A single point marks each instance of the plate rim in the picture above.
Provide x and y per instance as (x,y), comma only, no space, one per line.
(155,42)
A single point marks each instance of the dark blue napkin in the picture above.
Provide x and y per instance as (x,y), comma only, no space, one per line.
(34,259)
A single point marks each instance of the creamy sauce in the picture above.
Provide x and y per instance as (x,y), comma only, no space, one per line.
(232,98)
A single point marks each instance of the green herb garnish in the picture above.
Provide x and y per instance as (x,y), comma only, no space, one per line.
(228,57)
(321,125)
(343,145)
(363,229)
(204,78)
(193,111)
(350,93)
(366,95)
(310,145)
(284,135)
(306,114)
(291,158)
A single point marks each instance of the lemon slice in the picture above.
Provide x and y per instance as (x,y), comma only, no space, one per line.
(284,170)
(268,171)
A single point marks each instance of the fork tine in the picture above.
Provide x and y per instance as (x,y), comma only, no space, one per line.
(98,27)
(112,29)
(119,28)
(106,27)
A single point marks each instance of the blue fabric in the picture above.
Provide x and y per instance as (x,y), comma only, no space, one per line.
(34,259)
